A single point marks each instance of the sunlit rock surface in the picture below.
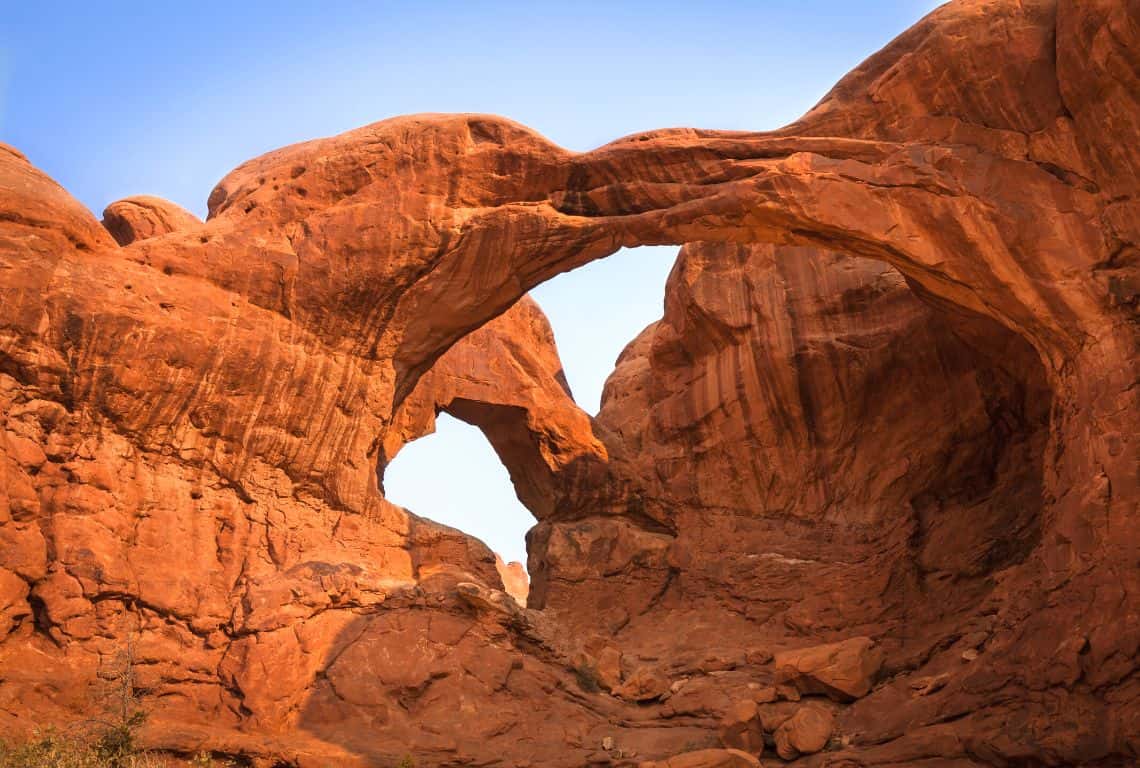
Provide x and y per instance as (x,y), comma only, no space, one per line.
(892,402)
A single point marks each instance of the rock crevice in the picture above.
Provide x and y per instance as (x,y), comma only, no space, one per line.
(890,407)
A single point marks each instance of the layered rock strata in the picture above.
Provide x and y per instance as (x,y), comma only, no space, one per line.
(875,469)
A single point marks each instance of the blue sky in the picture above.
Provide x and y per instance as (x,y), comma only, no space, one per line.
(121,98)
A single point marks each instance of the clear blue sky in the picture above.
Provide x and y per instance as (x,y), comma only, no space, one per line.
(121,98)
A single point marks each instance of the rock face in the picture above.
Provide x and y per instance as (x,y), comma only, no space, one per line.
(741,728)
(143,216)
(707,758)
(516,582)
(892,399)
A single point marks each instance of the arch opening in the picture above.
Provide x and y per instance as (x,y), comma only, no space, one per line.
(454,477)
(599,308)
(814,346)
(790,388)
(508,380)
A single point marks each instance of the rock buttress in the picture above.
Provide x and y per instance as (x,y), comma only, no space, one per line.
(192,426)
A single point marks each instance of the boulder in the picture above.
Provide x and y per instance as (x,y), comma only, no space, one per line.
(645,683)
(608,667)
(843,671)
(142,217)
(740,728)
(804,733)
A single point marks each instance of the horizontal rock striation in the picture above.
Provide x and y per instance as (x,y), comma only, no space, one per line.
(866,493)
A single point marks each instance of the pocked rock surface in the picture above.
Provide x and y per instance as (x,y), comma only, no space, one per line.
(892,396)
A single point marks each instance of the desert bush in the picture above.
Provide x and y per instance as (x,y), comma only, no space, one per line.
(106,741)
(587,677)
(52,749)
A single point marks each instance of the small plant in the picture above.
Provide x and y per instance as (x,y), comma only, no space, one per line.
(587,678)
(121,700)
(109,741)
(407,762)
(51,749)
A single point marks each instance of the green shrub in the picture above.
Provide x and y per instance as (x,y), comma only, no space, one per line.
(52,749)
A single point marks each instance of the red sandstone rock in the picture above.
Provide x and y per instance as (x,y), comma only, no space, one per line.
(892,395)
(143,216)
(707,758)
(609,668)
(775,714)
(843,671)
(13,601)
(515,579)
(804,733)
(506,378)
(763,694)
(740,728)
(645,683)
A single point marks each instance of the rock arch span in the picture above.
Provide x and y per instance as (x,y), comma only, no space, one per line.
(234,385)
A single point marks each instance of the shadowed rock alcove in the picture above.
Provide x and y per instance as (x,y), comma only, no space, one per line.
(892,467)
(887,420)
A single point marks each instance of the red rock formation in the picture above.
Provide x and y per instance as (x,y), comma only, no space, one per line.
(893,396)
(143,216)
(516,581)
(804,733)
(506,378)
(843,671)
(707,758)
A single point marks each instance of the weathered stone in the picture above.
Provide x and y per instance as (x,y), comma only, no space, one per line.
(763,694)
(486,600)
(741,729)
(804,733)
(609,667)
(924,686)
(516,583)
(143,216)
(707,758)
(645,683)
(843,671)
(775,714)
(759,656)
(892,394)
(14,606)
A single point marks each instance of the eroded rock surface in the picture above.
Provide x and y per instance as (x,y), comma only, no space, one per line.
(143,216)
(844,671)
(804,733)
(892,396)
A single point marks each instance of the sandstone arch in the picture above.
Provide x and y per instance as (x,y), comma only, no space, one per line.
(506,379)
(234,387)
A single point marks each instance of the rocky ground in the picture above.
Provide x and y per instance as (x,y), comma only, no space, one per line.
(866,495)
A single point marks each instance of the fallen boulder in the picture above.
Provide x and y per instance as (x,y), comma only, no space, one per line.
(804,733)
(644,684)
(843,671)
(740,728)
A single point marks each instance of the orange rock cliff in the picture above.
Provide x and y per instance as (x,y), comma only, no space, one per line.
(865,495)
